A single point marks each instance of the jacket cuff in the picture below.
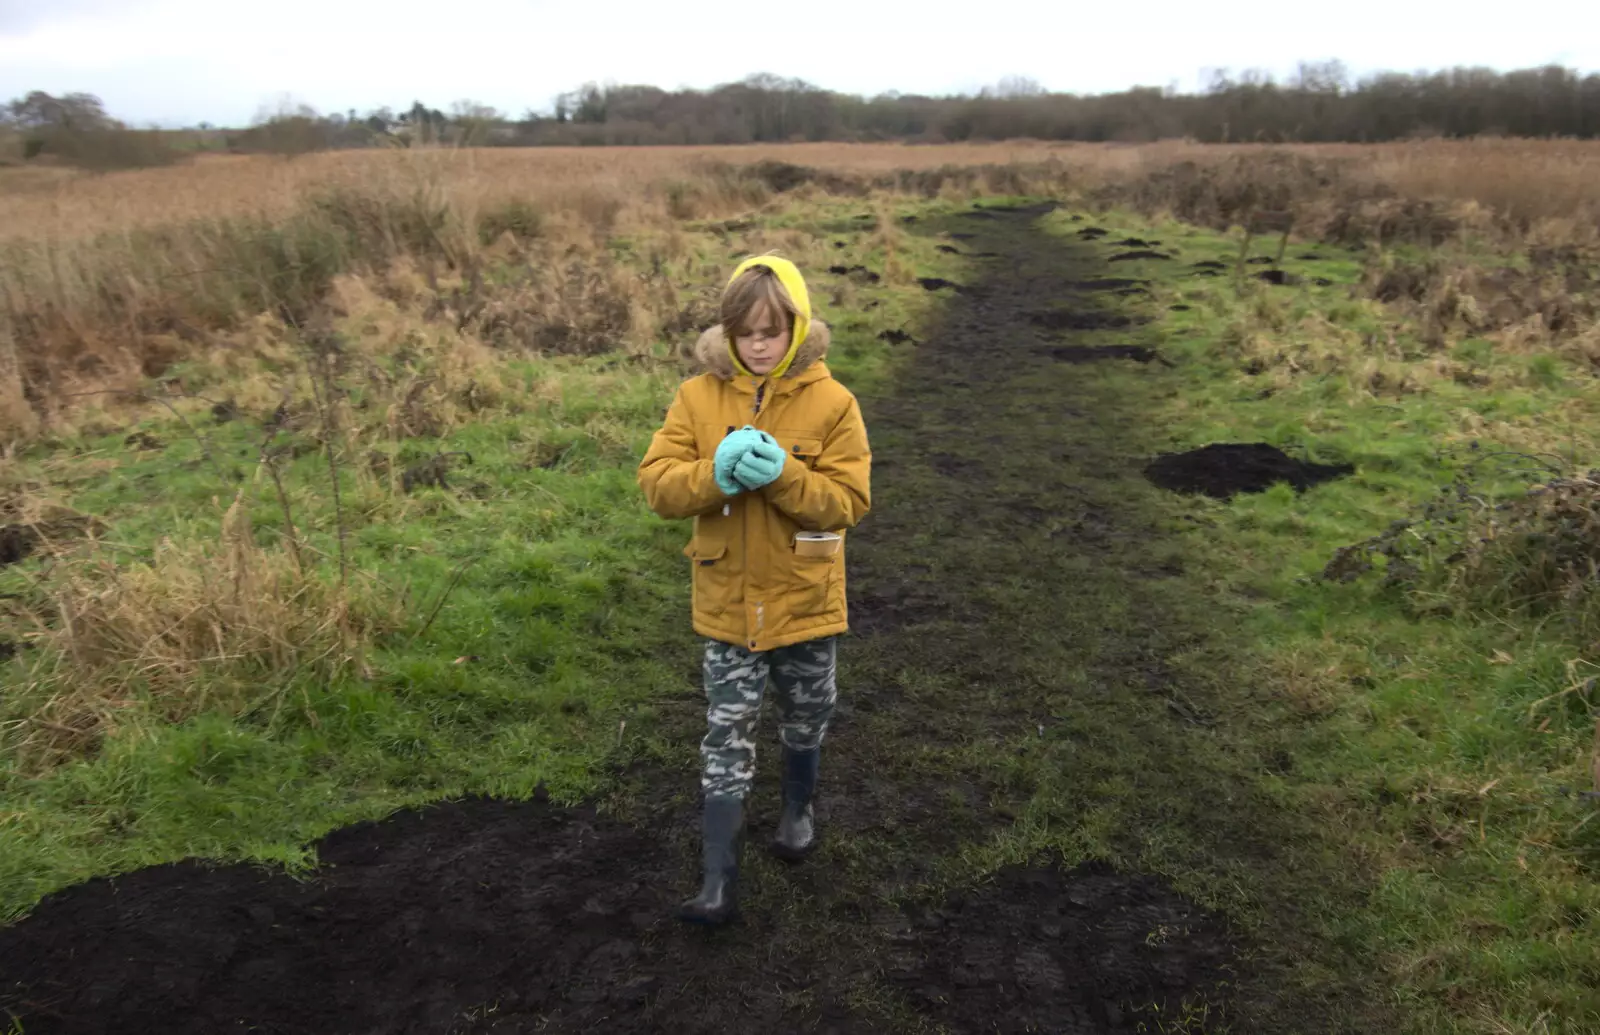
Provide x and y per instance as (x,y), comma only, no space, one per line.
(793,471)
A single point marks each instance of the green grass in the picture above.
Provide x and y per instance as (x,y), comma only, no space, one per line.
(1443,745)
(1436,753)
(564,615)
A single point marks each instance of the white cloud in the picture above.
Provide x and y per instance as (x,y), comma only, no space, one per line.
(186,60)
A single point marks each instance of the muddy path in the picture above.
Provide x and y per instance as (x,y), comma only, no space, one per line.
(1010,699)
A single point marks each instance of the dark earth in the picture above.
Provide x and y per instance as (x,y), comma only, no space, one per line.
(1012,607)
(1084,319)
(1222,470)
(1141,253)
(1093,353)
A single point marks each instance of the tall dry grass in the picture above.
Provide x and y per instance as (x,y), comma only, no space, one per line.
(60,203)
(106,280)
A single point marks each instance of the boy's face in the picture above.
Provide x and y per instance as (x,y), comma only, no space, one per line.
(765,342)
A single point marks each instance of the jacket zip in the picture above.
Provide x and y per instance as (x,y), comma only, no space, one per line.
(761,607)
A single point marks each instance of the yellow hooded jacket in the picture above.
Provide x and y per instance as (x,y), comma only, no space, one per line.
(750,588)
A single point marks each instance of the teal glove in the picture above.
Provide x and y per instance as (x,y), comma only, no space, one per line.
(729,453)
(761,465)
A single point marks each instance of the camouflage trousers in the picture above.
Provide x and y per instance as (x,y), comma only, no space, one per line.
(804,675)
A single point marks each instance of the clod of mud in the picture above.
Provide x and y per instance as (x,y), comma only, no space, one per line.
(8,650)
(986,255)
(1085,952)
(142,441)
(897,337)
(1179,308)
(1144,253)
(936,283)
(1282,278)
(20,540)
(1082,319)
(1322,282)
(855,271)
(840,244)
(225,411)
(1260,260)
(1310,257)
(16,543)
(1107,284)
(1134,242)
(1090,233)
(1209,264)
(1225,469)
(908,220)
(1093,353)
(948,249)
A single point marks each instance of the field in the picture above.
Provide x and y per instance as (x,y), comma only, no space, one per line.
(341,654)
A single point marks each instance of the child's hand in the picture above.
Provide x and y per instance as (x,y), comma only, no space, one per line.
(729,453)
(761,465)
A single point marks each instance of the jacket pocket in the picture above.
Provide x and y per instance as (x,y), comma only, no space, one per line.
(712,583)
(813,583)
(805,450)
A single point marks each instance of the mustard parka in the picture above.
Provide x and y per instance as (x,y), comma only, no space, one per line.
(750,588)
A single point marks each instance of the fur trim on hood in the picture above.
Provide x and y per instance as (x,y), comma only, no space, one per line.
(711,351)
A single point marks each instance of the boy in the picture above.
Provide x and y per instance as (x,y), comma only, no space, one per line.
(764,446)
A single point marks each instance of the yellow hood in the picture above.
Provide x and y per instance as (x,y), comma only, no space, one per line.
(789,276)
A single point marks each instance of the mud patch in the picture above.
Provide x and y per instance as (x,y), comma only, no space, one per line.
(1040,949)
(938,283)
(890,605)
(1143,253)
(897,337)
(533,909)
(1092,233)
(1095,353)
(855,271)
(1179,308)
(1082,319)
(1108,284)
(1282,278)
(948,249)
(1209,264)
(1136,242)
(1224,469)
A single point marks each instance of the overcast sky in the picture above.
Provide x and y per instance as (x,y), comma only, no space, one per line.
(178,62)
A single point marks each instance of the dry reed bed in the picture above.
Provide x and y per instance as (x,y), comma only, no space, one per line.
(1522,178)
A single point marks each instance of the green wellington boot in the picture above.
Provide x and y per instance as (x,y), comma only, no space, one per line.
(722,827)
(797,829)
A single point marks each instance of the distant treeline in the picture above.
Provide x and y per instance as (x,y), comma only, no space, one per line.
(1320,103)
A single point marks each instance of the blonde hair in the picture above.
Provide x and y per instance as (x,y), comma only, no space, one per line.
(749,291)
